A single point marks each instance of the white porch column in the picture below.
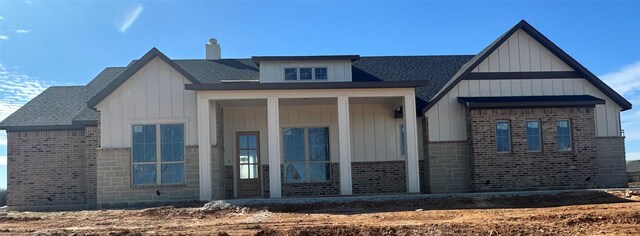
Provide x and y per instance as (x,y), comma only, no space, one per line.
(413,171)
(204,147)
(344,138)
(273,124)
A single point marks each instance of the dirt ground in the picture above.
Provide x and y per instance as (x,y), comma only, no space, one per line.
(579,213)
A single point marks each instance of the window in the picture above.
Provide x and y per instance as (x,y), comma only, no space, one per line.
(563,132)
(305,74)
(533,136)
(403,141)
(321,73)
(306,155)
(153,164)
(291,74)
(503,139)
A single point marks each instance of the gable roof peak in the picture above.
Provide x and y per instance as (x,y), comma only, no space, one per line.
(545,42)
(134,67)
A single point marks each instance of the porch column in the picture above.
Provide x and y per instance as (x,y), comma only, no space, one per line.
(204,146)
(413,171)
(344,138)
(273,130)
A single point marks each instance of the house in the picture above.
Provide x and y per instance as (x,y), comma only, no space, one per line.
(519,115)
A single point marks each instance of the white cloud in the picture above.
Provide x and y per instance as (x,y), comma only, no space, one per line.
(129,18)
(3,160)
(22,31)
(4,37)
(16,89)
(633,156)
(626,81)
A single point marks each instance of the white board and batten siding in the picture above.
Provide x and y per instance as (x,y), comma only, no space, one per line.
(520,53)
(273,71)
(155,94)
(374,130)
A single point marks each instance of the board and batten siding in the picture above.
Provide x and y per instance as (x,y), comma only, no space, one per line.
(154,94)
(273,71)
(521,53)
(447,118)
(374,130)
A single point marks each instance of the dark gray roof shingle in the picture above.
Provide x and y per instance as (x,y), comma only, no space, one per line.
(54,107)
(66,106)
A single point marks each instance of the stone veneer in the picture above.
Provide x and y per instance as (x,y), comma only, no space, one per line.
(115,188)
(523,170)
(449,170)
(51,169)
(612,166)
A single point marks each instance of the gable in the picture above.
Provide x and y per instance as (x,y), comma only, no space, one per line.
(561,64)
(521,53)
(154,93)
(132,69)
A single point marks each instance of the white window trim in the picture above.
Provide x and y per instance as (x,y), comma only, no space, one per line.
(570,136)
(508,136)
(539,134)
(298,67)
(307,159)
(159,161)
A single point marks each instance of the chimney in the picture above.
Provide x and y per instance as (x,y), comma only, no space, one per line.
(212,49)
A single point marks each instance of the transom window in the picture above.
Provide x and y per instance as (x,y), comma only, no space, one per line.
(533,136)
(305,73)
(503,136)
(154,164)
(563,134)
(306,155)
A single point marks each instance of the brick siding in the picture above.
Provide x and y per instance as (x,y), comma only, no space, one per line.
(379,177)
(54,168)
(523,170)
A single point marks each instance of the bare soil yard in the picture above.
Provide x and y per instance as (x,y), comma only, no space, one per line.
(578,213)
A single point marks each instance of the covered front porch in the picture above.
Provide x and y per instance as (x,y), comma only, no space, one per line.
(307,142)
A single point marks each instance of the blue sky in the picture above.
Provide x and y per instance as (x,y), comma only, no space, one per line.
(68,43)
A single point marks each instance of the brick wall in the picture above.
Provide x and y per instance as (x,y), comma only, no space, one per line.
(331,187)
(523,170)
(114,188)
(449,170)
(51,168)
(379,177)
(612,166)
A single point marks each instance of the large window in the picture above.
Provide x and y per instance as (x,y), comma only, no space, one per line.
(305,73)
(533,136)
(155,164)
(563,134)
(503,136)
(306,155)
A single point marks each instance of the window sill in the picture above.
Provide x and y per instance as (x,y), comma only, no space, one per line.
(159,186)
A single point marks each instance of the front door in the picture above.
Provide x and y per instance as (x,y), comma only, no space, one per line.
(247,152)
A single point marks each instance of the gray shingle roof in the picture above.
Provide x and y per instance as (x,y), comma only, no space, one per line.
(67,106)
(56,106)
